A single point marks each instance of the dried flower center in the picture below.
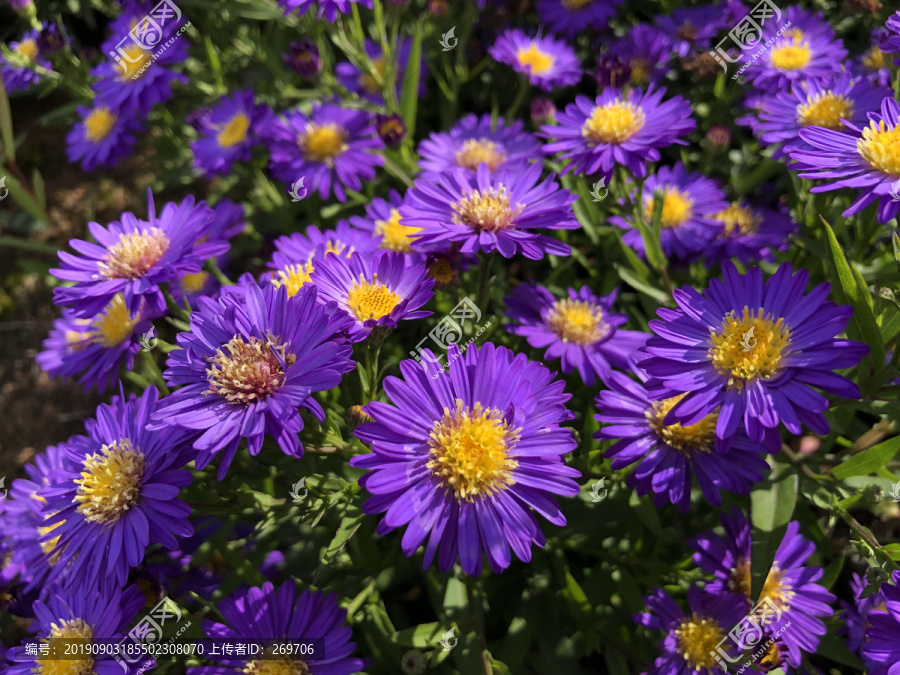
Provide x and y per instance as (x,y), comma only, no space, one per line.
(114,324)
(322,142)
(248,371)
(774,588)
(470,451)
(71,629)
(368,82)
(293,277)
(371,300)
(441,270)
(133,59)
(98,124)
(873,59)
(110,482)
(576,4)
(394,235)
(825,110)
(134,255)
(194,281)
(613,122)
(477,150)
(880,147)
(792,54)
(740,219)
(537,61)
(697,437)
(577,321)
(640,70)
(749,346)
(488,211)
(697,638)
(678,207)
(235,131)
(28,49)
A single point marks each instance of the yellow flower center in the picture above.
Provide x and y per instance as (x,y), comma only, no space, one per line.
(576,4)
(194,282)
(477,150)
(110,482)
(537,61)
(873,59)
(792,54)
(71,629)
(470,451)
(371,300)
(368,82)
(394,235)
(825,110)
(880,147)
(48,546)
(577,321)
(275,666)
(774,588)
(698,437)
(698,637)
(248,371)
(293,277)
(678,207)
(738,218)
(489,211)
(98,124)
(322,142)
(640,70)
(114,324)
(28,49)
(134,60)
(235,131)
(442,271)
(749,346)
(134,255)
(613,123)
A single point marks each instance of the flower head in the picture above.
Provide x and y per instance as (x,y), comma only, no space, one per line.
(645,51)
(229,132)
(690,30)
(545,61)
(385,225)
(749,233)
(303,57)
(364,84)
(102,138)
(882,644)
(19,74)
(571,17)
(328,9)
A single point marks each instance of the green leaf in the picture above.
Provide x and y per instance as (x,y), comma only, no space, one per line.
(423,636)
(771,506)
(892,551)
(655,255)
(848,291)
(832,572)
(868,461)
(6,129)
(629,278)
(832,647)
(409,97)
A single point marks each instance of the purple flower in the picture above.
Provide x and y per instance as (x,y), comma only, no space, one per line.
(625,128)
(378,291)
(692,30)
(890,42)
(474,141)
(569,18)
(134,257)
(331,148)
(882,645)
(252,359)
(867,160)
(668,455)
(117,494)
(580,329)
(546,62)
(303,57)
(690,202)
(490,211)
(757,349)
(799,601)
(102,138)
(229,132)
(23,77)
(325,8)
(857,615)
(645,50)
(363,84)
(462,460)
(385,226)
(265,614)
(749,233)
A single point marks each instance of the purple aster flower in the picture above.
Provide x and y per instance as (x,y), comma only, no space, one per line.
(690,202)
(462,460)
(303,57)
(490,211)
(474,141)
(384,225)
(890,41)
(756,349)
(134,257)
(815,103)
(358,82)
(23,77)
(326,8)
(749,233)
(75,614)
(668,455)
(580,329)
(569,18)
(645,50)
(51,39)
(808,50)
(867,160)
(102,138)
(618,128)
(691,30)
(95,348)
(547,62)
(872,63)
(330,148)
(377,291)
(230,132)
(117,494)
(790,586)
(252,359)
(265,614)
(856,615)
(882,645)
(691,639)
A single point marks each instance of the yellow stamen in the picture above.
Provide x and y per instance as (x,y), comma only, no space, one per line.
(477,150)
(774,588)
(678,207)
(873,59)
(235,131)
(134,59)
(791,54)
(368,82)
(539,62)
(739,218)
(293,277)
(577,321)
(28,49)
(699,437)
(576,4)
(322,142)
(71,629)
(613,122)
(697,638)
(395,236)
(640,70)
(98,124)
(248,371)
(371,300)
(880,147)
(134,255)
(273,665)
(110,483)
(194,281)
(749,346)
(48,546)
(825,110)
(489,211)
(114,324)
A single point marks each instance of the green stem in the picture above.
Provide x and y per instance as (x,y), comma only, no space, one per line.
(213,268)
(25,245)
(155,372)
(484,282)
(175,308)
(392,168)
(524,86)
